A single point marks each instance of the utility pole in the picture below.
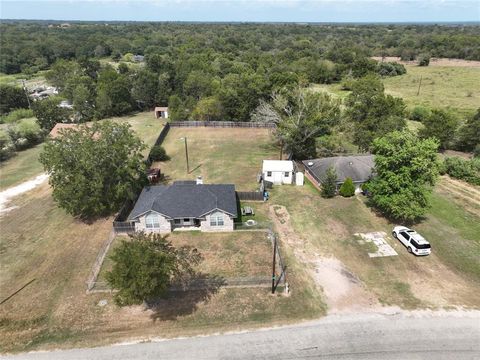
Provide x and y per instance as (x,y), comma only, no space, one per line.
(274,261)
(186,153)
(419,84)
(26,93)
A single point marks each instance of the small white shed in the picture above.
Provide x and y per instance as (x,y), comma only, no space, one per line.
(278,171)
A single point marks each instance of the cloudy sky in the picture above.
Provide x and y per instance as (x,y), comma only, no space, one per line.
(245,10)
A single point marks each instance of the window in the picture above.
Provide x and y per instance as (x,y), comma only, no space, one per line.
(405,235)
(216,219)
(186,221)
(269,173)
(287,174)
(152,221)
(177,221)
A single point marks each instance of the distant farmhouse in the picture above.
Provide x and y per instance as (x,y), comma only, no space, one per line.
(185,205)
(358,168)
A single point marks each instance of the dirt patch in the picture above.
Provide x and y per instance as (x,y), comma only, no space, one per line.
(343,291)
(12,192)
(433,61)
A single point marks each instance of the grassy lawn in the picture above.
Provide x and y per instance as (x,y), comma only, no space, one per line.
(228,255)
(41,242)
(25,165)
(219,155)
(442,86)
(447,277)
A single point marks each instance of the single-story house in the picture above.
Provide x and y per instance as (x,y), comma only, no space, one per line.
(359,168)
(161,112)
(185,205)
(278,171)
(55,132)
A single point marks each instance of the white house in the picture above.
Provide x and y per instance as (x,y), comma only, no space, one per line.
(278,171)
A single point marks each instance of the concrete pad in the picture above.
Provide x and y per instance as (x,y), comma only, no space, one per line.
(378,238)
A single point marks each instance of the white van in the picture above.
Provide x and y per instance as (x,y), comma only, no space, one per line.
(413,241)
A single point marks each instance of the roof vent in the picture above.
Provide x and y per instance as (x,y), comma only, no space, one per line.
(199,180)
(310,163)
(350,163)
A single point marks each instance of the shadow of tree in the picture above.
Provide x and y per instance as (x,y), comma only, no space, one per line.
(183,299)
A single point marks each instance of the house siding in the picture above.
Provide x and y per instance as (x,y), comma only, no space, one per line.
(228,224)
(278,177)
(165,225)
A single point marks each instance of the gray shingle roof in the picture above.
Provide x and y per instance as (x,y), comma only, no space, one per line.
(186,199)
(358,168)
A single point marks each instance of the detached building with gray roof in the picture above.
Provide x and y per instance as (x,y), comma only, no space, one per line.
(185,205)
(359,168)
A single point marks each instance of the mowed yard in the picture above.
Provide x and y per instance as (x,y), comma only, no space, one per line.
(442,87)
(40,242)
(219,155)
(450,276)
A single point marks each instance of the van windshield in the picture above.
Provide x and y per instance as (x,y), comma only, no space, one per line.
(420,246)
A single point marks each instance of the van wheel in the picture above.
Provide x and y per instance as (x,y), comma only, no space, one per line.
(394,234)
(410,250)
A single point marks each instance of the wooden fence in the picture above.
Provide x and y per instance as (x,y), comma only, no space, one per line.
(250,195)
(223,124)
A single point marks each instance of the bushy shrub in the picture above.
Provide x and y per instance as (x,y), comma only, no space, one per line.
(419,113)
(25,133)
(158,153)
(329,183)
(390,69)
(347,189)
(16,115)
(7,148)
(467,170)
(423,60)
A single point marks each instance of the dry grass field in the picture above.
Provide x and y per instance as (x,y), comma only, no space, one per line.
(219,155)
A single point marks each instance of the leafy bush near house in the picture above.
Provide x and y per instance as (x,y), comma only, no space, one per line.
(7,148)
(16,115)
(467,170)
(25,133)
(347,189)
(329,183)
(158,153)
(419,113)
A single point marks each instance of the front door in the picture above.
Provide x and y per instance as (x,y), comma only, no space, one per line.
(277,177)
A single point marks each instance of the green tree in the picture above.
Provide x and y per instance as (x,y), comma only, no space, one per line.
(83,103)
(113,94)
(300,118)
(347,189)
(441,125)
(146,265)
(176,109)
(329,183)
(423,59)
(12,97)
(373,113)
(145,85)
(469,133)
(48,113)
(406,169)
(208,109)
(93,169)
(158,153)
(61,72)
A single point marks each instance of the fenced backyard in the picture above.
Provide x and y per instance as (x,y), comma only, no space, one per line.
(231,260)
